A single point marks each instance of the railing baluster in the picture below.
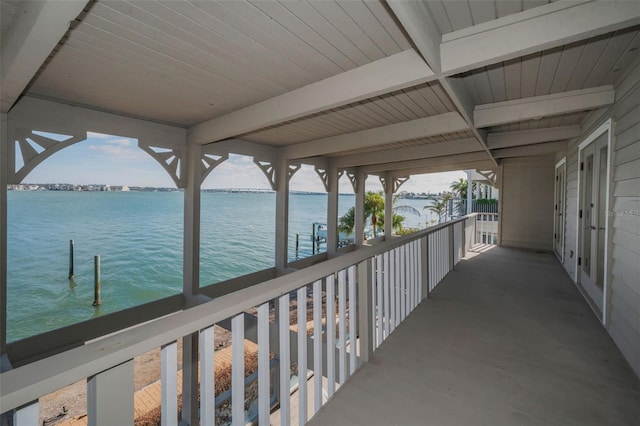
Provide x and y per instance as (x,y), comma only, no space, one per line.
(285,359)
(331,334)
(380,304)
(386,296)
(396,256)
(207,377)
(302,354)
(412,281)
(110,396)
(169,384)
(27,415)
(317,345)
(353,324)
(237,370)
(342,324)
(374,305)
(392,292)
(403,283)
(419,255)
(264,371)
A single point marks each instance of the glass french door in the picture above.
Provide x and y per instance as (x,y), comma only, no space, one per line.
(593,218)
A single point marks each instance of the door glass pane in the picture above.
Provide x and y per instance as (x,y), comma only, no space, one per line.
(602,214)
(588,206)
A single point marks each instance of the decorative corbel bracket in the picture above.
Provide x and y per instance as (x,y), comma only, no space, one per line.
(269,171)
(395,182)
(208,162)
(170,159)
(34,148)
(324,176)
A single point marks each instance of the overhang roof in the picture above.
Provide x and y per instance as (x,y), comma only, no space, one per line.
(343,79)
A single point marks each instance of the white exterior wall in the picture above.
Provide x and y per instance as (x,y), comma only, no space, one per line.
(526,200)
(623,319)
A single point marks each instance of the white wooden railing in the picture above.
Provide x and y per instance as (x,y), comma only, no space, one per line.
(374,288)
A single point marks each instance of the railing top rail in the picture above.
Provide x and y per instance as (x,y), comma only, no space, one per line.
(27,383)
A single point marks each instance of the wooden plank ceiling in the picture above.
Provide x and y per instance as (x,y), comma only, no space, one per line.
(185,62)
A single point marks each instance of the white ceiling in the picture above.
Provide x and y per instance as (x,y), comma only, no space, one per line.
(184,62)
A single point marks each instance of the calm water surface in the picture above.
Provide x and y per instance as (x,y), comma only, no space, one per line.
(139,238)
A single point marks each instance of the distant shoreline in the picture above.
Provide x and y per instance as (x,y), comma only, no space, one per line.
(67,187)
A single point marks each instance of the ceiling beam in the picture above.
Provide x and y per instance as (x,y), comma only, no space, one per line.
(404,69)
(243,147)
(533,30)
(542,106)
(528,137)
(417,21)
(405,131)
(445,167)
(36,29)
(426,162)
(438,149)
(529,150)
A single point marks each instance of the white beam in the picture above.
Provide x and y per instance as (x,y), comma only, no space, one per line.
(56,117)
(528,137)
(426,162)
(408,130)
(35,31)
(243,147)
(542,106)
(404,69)
(528,150)
(459,146)
(444,167)
(534,30)
(417,21)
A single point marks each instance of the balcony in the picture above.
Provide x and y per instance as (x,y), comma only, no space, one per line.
(506,338)
(448,330)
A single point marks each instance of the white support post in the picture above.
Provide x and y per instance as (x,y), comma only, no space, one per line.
(365,310)
(332,209)
(386,297)
(190,279)
(110,396)
(282,214)
(237,371)
(469,191)
(169,384)
(359,207)
(207,378)
(4,145)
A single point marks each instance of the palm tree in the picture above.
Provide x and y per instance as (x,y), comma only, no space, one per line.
(374,210)
(460,186)
(440,207)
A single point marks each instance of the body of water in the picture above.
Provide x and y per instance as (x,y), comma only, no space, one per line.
(139,238)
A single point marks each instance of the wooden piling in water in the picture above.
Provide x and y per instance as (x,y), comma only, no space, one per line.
(70,259)
(297,243)
(96,281)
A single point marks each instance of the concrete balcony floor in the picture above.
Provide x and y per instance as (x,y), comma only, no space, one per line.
(505,339)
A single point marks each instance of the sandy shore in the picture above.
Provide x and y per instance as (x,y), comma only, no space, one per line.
(147,371)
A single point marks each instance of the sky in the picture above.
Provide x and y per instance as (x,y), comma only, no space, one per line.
(117,161)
